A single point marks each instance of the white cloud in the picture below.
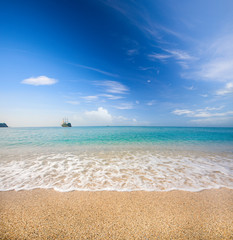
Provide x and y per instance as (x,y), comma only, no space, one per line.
(183,64)
(73,102)
(204,95)
(90,98)
(190,88)
(132,52)
(38,81)
(125,106)
(113,87)
(181,57)
(213,121)
(227,90)
(207,114)
(120,120)
(145,68)
(96,97)
(203,113)
(159,56)
(179,54)
(100,116)
(150,103)
(216,62)
(110,96)
(217,69)
(210,109)
(182,112)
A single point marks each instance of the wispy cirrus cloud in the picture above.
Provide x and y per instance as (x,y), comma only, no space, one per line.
(213,121)
(125,106)
(156,33)
(102,96)
(208,114)
(181,57)
(113,87)
(151,103)
(155,27)
(73,102)
(228,89)
(110,96)
(158,56)
(95,70)
(204,95)
(138,16)
(190,88)
(132,52)
(99,96)
(179,54)
(203,113)
(145,68)
(215,61)
(39,81)
(90,98)
(217,70)
(183,112)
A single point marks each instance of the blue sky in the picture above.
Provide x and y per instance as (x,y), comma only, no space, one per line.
(116,62)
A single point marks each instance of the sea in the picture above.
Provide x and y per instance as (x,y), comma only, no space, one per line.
(116,158)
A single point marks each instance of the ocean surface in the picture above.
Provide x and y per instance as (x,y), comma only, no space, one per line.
(116,158)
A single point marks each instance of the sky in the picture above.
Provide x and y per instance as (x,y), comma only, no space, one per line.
(116,62)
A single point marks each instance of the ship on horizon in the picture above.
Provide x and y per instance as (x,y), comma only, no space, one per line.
(66,123)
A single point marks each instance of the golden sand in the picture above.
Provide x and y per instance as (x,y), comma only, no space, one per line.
(47,214)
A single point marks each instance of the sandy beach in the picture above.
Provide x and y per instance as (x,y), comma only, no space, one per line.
(47,214)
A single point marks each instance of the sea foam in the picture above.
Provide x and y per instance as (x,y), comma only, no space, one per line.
(116,158)
(116,170)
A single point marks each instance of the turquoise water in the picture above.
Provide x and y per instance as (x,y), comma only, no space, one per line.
(116,158)
(115,135)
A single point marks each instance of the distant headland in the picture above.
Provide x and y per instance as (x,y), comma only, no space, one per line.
(3,125)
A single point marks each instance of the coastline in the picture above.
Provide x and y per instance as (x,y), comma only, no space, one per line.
(47,214)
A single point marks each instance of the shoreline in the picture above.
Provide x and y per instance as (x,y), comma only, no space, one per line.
(176,214)
(117,191)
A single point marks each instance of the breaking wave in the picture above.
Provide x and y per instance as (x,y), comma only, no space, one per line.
(117,171)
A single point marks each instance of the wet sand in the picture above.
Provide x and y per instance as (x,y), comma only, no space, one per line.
(47,214)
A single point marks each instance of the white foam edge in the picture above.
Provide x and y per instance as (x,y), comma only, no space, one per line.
(115,190)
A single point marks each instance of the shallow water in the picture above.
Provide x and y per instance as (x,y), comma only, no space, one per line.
(116,158)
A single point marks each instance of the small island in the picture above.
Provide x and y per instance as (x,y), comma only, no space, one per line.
(3,125)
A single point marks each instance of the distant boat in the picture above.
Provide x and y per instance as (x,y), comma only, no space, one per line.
(66,123)
(3,125)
